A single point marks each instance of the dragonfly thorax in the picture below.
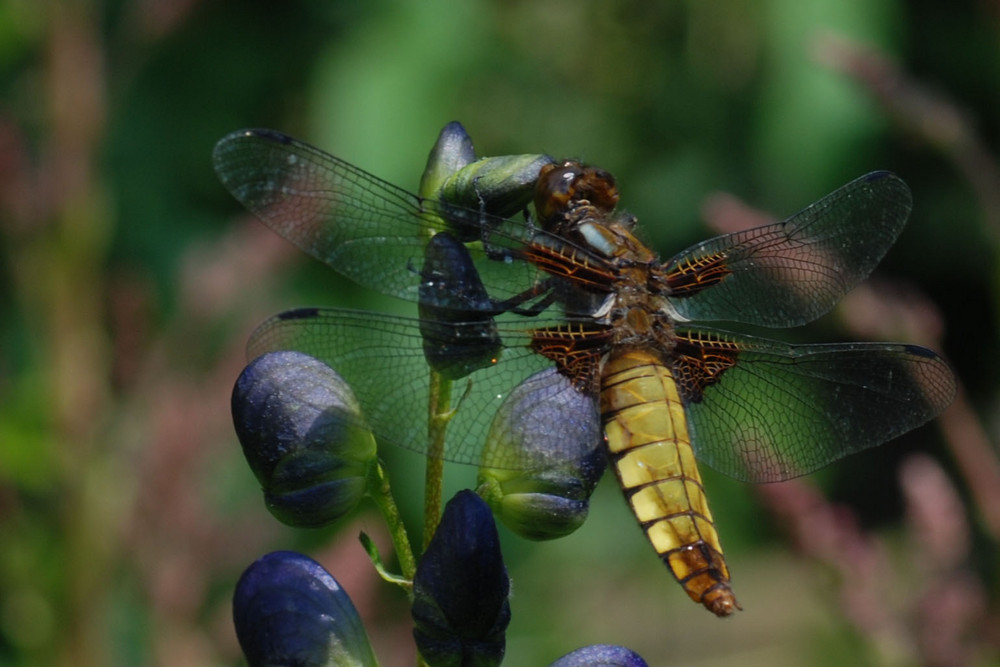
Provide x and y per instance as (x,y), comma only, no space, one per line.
(640,326)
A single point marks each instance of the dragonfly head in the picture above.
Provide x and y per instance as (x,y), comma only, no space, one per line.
(563,187)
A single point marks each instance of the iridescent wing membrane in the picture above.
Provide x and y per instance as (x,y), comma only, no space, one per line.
(367,229)
(381,357)
(779,411)
(791,272)
(759,410)
(377,234)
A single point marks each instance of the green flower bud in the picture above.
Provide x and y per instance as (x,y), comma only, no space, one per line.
(501,186)
(304,437)
(466,187)
(543,457)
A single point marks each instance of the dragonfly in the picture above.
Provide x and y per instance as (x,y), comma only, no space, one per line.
(553,285)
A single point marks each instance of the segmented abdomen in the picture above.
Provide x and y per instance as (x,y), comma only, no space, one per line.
(651,453)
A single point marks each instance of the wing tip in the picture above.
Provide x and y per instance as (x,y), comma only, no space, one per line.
(252,133)
(921,351)
(299,314)
(892,178)
(878,175)
(264,133)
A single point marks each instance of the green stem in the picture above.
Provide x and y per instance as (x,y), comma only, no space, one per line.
(439,413)
(381,494)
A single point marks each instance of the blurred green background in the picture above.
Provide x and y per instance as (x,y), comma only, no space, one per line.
(130,280)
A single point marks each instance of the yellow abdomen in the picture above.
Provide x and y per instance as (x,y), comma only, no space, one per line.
(651,452)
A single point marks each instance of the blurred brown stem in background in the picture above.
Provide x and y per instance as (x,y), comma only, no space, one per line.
(929,115)
(133,427)
(930,607)
(60,226)
(940,124)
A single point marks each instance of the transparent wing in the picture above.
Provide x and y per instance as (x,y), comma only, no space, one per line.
(381,357)
(791,272)
(365,228)
(780,411)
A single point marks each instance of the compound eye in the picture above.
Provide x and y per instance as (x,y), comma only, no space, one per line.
(598,187)
(556,188)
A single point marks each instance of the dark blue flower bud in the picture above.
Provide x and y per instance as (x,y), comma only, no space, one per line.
(600,655)
(459,333)
(304,437)
(289,611)
(460,608)
(543,457)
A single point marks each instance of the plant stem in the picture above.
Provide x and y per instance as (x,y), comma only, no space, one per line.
(439,414)
(381,494)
